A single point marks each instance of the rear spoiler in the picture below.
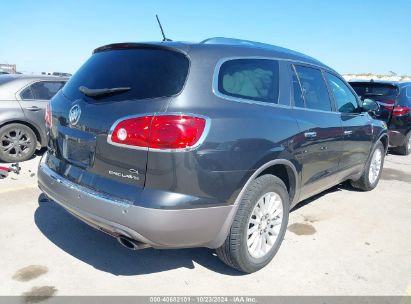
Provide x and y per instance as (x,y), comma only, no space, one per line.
(134,45)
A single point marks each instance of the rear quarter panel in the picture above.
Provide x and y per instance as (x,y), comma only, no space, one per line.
(242,137)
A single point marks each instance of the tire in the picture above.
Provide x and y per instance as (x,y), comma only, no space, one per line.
(235,251)
(17,143)
(368,181)
(405,149)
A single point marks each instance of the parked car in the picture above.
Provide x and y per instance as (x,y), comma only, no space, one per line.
(23,100)
(175,145)
(395,109)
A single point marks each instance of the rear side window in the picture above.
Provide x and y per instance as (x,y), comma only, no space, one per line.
(149,72)
(43,90)
(26,94)
(314,89)
(408,92)
(255,79)
(344,98)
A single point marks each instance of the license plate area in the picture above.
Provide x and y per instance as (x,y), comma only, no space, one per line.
(78,147)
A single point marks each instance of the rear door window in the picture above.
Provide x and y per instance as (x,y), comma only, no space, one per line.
(26,94)
(45,90)
(345,99)
(314,88)
(149,72)
(255,79)
(42,90)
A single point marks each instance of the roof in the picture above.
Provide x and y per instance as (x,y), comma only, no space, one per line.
(11,77)
(224,46)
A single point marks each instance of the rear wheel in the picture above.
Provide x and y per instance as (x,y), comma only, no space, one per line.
(259,226)
(17,143)
(373,169)
(405,149)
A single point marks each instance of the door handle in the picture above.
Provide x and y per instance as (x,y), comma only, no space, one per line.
(310,134)
(33,108)
(347,132)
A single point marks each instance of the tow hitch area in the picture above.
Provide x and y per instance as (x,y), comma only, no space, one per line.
(4,171)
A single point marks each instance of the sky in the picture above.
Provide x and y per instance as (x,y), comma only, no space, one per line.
(351,36)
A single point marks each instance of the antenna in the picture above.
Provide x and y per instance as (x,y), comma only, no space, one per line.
(161,28)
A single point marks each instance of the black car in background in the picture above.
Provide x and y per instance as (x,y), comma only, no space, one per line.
(394,99)
(23,100)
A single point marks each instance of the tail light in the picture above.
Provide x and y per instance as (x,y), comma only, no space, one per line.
(47,116)
(400,111)
(159,132)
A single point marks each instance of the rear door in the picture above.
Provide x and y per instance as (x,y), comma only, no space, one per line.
(80,147)
(319,142)
(35,97)
(357,125)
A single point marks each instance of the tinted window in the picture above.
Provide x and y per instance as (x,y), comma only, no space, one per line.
(45,90)
(314,89)
(255,79)
(297,93)
(408,92)
(346,101)
(369,89)
(148,72)
(26,94)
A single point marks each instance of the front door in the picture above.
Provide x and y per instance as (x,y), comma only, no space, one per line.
(319,142)
(357,127)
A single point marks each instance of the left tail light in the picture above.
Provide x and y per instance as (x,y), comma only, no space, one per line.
(47,116)
(159,132)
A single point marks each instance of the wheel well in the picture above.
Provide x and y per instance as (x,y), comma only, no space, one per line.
(286,174)
(384,141)
(34,129)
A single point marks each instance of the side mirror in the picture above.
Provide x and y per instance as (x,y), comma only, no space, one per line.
(370,106)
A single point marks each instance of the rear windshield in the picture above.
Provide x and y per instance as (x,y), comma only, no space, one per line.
(374,89)
(150,73)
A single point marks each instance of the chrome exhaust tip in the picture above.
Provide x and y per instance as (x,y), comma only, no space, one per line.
(130,243)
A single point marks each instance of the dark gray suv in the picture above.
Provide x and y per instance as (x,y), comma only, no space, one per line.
(174,145)
(23,100)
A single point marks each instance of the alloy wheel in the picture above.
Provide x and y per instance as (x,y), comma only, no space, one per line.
(375,166)
(16,143)
(264,225)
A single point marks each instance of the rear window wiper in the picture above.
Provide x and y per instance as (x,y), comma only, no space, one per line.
(101,92)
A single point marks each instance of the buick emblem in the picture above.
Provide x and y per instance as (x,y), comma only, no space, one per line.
(74,115)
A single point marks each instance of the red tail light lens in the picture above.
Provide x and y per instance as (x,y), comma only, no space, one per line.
(400,111)
(132,132)
(47,116)
(159,132)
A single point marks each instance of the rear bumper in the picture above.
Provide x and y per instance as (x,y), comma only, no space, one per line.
(205,227)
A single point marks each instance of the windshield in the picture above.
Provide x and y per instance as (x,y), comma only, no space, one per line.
(148,72)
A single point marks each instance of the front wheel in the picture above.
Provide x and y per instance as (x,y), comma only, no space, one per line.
(373,170)
(259,226)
